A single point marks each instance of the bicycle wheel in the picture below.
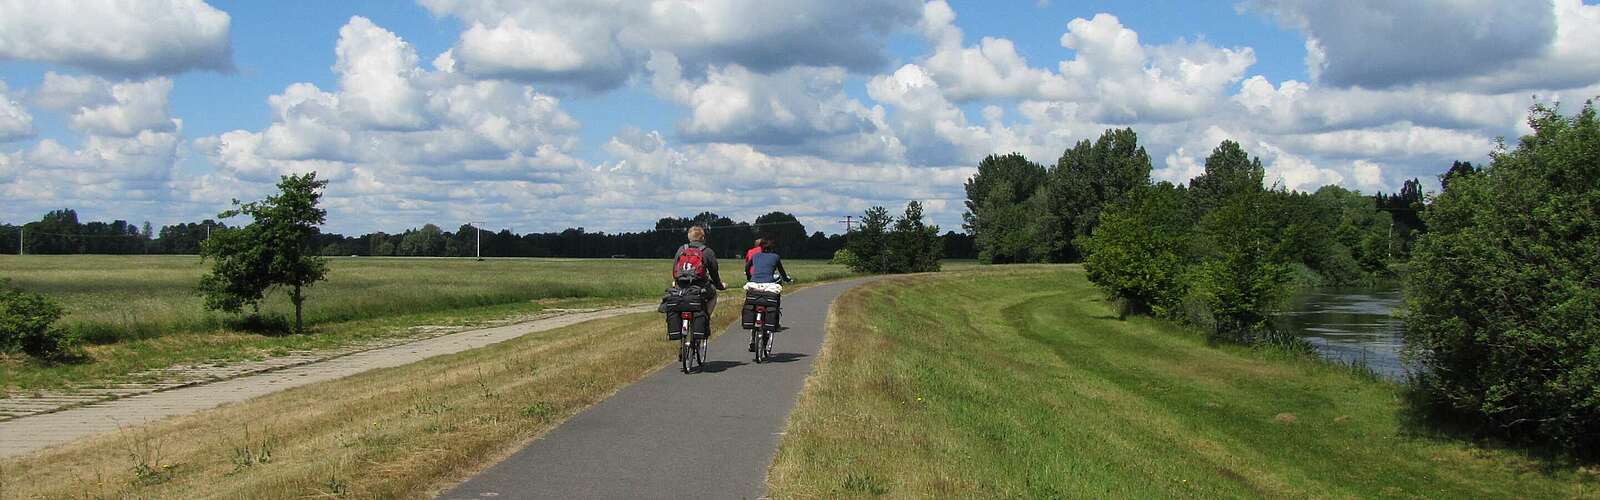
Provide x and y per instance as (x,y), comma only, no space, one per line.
(700,355)
(684,356)
(755,340)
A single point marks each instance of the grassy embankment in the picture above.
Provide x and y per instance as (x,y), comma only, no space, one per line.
(1022,383)
(399,432)
(142,312)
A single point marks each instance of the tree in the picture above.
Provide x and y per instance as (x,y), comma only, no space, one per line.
(785,230)
(1503,291)
(1008,231)
(1228,170)
(428,241)
(994,195)
(1086,179)
(868,245)
(1238,279)
(274,250)
(1138,253)
(913,246)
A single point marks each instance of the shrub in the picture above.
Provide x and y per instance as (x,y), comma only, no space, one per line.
(1503,292)
(25,325)
(1238,279)
(1137,253)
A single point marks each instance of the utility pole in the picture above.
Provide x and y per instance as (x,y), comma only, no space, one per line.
(479,226)
(19,240)
(848,221)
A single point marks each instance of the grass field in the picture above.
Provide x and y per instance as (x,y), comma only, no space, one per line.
(142,312)
(1020,383)
(393,433)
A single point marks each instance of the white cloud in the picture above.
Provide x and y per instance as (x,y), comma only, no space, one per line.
(376,72)
(15,121)
(134,107)
(1126,81)
(153,37)
(799,110)
(992,68)
(1368,175)
(400,141)
(1378,43)
(599,45)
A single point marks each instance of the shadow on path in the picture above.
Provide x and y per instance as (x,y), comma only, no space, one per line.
(719,366)
(784,357)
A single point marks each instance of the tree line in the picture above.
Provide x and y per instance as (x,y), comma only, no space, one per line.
(1221,251)
(60,232)
(1501,268)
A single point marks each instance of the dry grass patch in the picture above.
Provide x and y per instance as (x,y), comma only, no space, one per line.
(394,433)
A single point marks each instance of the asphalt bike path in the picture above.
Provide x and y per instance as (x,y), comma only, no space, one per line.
(710,434)
(28,434)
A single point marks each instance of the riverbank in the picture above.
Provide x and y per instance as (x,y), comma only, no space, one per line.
(1024,384)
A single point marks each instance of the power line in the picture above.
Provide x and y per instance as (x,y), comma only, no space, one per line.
(780,223)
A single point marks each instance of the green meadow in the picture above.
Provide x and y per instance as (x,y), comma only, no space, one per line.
(1022,383)
(142,312)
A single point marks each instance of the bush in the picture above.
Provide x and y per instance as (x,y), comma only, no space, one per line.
(843,257)
(1137,253)
(25,325)
(1238,279)
(1503,292)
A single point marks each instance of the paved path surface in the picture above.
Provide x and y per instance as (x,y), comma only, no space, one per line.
(18,405)
(675,435)
(24,435)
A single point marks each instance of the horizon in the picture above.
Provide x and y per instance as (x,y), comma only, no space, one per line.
(554,116)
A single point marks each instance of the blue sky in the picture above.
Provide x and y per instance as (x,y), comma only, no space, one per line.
(555,113)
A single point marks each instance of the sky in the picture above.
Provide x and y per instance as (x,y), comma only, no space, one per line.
(540,115)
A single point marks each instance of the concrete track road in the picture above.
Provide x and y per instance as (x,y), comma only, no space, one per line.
(676,435)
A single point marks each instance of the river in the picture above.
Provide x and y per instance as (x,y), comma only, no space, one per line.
(1350,325)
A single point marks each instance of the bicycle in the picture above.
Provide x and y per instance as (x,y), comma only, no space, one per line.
(764,307)
(761,335)
(692,353)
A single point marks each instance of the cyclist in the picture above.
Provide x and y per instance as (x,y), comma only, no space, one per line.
(700,255)
(748,254)
(766,266)
(766,273)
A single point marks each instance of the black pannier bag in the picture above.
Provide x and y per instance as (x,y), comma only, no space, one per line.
(700,324)
(754,298)
(686,299)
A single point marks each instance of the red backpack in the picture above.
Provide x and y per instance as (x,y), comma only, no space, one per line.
(690,266)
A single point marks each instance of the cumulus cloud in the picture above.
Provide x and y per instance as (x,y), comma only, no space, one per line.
(401,141)
(156,37)
(15,121)
(389,114)
(599,45)
(992,68)
(1127,81)
(799,110)
(1484,45)
(742,181)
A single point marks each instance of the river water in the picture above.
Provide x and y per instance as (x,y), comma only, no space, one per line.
(1350,325)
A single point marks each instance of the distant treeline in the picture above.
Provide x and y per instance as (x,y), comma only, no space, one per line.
(60,232)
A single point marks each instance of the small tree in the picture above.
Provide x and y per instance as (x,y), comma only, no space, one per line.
(914,246)
(1138,254)
(869,244)
(276,250)
(1238,278)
